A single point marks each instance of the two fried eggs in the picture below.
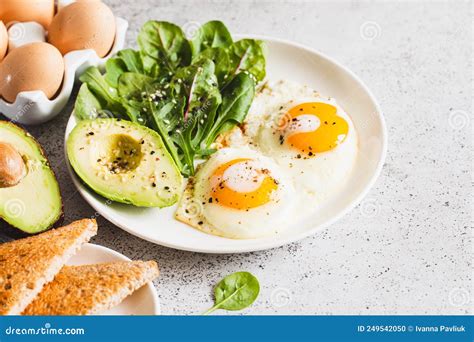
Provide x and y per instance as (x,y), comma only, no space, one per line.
(295,149)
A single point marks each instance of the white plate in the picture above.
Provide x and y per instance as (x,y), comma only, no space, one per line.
(144,301)
(285,60)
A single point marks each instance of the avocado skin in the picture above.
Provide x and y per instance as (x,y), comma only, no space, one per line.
(14,233)
(6,227)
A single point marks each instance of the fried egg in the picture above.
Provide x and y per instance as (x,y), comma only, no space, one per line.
(310,136)
(238,193)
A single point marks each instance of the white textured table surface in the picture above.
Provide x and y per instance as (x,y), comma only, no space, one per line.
(407,249)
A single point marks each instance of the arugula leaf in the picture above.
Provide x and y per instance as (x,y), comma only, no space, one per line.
(235,292)
(166,43)
(211,35)
(248,55)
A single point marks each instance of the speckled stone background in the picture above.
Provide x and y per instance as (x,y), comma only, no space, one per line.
(407,249)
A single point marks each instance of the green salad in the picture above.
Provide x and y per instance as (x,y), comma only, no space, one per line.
(187,90)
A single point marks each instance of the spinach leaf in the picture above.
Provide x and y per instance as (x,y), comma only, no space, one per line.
(108,96)
(196,83)
(165,118)
(211,35)
(235,292)
(114,67)
(87,105)
(97,85)
(134,85)
(166,43)
(248,55)
(237,98)
(132,59)
(221,60)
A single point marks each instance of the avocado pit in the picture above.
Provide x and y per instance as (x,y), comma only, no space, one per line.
(12,166)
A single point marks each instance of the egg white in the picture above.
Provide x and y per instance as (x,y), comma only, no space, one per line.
(318,176)
(214,218)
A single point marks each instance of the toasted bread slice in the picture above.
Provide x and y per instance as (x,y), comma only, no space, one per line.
(26,265)
(90,289)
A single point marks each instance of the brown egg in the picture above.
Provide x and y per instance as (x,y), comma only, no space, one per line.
(83,25)
(35,66)
(41,11)
(3,40)
(12,166)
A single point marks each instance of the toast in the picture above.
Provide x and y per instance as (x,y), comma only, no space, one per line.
(26,265)
(90,289)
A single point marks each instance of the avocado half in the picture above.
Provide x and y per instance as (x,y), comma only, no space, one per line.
(32,203)
(124,162)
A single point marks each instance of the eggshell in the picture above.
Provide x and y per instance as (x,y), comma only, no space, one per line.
(83,25)
(25,33)
(35,66)
(60,4)
(3,40)
(41,11)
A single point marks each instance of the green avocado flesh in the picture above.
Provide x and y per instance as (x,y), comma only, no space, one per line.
(124,162)
(34,204)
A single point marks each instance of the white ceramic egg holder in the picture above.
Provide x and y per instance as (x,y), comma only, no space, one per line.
(33,107)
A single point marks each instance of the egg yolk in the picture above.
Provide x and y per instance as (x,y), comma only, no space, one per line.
(240,185)
(314,127)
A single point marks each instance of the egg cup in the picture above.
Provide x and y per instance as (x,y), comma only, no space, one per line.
(33,107)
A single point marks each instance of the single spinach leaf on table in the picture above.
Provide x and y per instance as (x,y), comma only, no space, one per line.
(166,43)
(248,55)
(213,34)
(235,292)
